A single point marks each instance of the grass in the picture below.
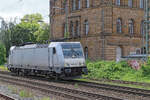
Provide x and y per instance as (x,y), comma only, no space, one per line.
(45,98)
(20,92)
(25,94)
(76,85)
(13,89)
(3,68)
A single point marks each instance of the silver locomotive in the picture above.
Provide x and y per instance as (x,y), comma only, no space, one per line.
(57,59)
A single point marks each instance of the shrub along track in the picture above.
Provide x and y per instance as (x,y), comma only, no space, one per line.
(55,90)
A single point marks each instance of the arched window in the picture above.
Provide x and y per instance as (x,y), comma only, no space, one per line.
(87,3)
(142,28)
(130,3)
(119,25)
(86,27)
(78,4)
(73,4)
(138,51)
(118,2)
(131,26)
(141,3)
(77,29)
(64,30)
(71,29)
(86,52)
(143,50)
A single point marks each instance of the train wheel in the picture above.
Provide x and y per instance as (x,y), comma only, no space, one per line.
(57,77)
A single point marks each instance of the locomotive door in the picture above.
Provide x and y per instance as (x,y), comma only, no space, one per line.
(54,57)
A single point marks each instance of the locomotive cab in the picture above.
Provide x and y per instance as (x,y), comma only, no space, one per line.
(68,59)
(74,60)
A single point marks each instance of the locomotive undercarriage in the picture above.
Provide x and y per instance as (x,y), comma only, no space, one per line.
(65,72)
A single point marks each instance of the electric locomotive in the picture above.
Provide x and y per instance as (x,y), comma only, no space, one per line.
(57,59)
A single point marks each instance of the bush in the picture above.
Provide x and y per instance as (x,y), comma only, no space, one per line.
(2,54)
(116,71)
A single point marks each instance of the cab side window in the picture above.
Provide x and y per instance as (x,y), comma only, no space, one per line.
(54,50)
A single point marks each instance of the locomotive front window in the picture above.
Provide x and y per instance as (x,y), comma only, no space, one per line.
(72,50)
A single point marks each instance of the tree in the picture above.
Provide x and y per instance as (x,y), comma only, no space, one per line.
(5,34)
(32,18)
(2,54)
(24,32)
(31,29)
(42,35)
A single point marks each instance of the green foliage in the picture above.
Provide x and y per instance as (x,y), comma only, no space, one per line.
(76,85)
(3,68)
(119,71)
(2,54)
(32,18)
(46,98)
(24,32)
(43,33)
(5,35)
(31,29)
(25,94)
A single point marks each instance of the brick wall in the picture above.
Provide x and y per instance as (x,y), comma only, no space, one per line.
(103,39)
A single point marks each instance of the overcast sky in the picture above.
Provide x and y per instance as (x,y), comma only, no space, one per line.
(18,8)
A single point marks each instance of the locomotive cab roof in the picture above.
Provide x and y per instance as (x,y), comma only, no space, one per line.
(52,44)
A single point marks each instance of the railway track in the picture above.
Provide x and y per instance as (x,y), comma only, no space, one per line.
(5,97)
(103,80)
(120,89)
(55,90)
(122,82)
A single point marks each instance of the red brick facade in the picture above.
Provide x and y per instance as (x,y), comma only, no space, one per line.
(101,39)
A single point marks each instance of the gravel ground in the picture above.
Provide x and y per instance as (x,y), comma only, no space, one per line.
(38,95)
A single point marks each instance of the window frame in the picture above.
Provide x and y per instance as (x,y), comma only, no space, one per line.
(130,3)
(72,29)
(118,2)
(142,28)
(79,4)
(141,4)
(119,25)
(87,3)
(73,5)
(77,30)
(86,24)
(131,27)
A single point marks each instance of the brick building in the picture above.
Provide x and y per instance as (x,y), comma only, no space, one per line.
(107,29)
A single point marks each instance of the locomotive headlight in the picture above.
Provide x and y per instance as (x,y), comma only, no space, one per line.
(66,65)
(82,64)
